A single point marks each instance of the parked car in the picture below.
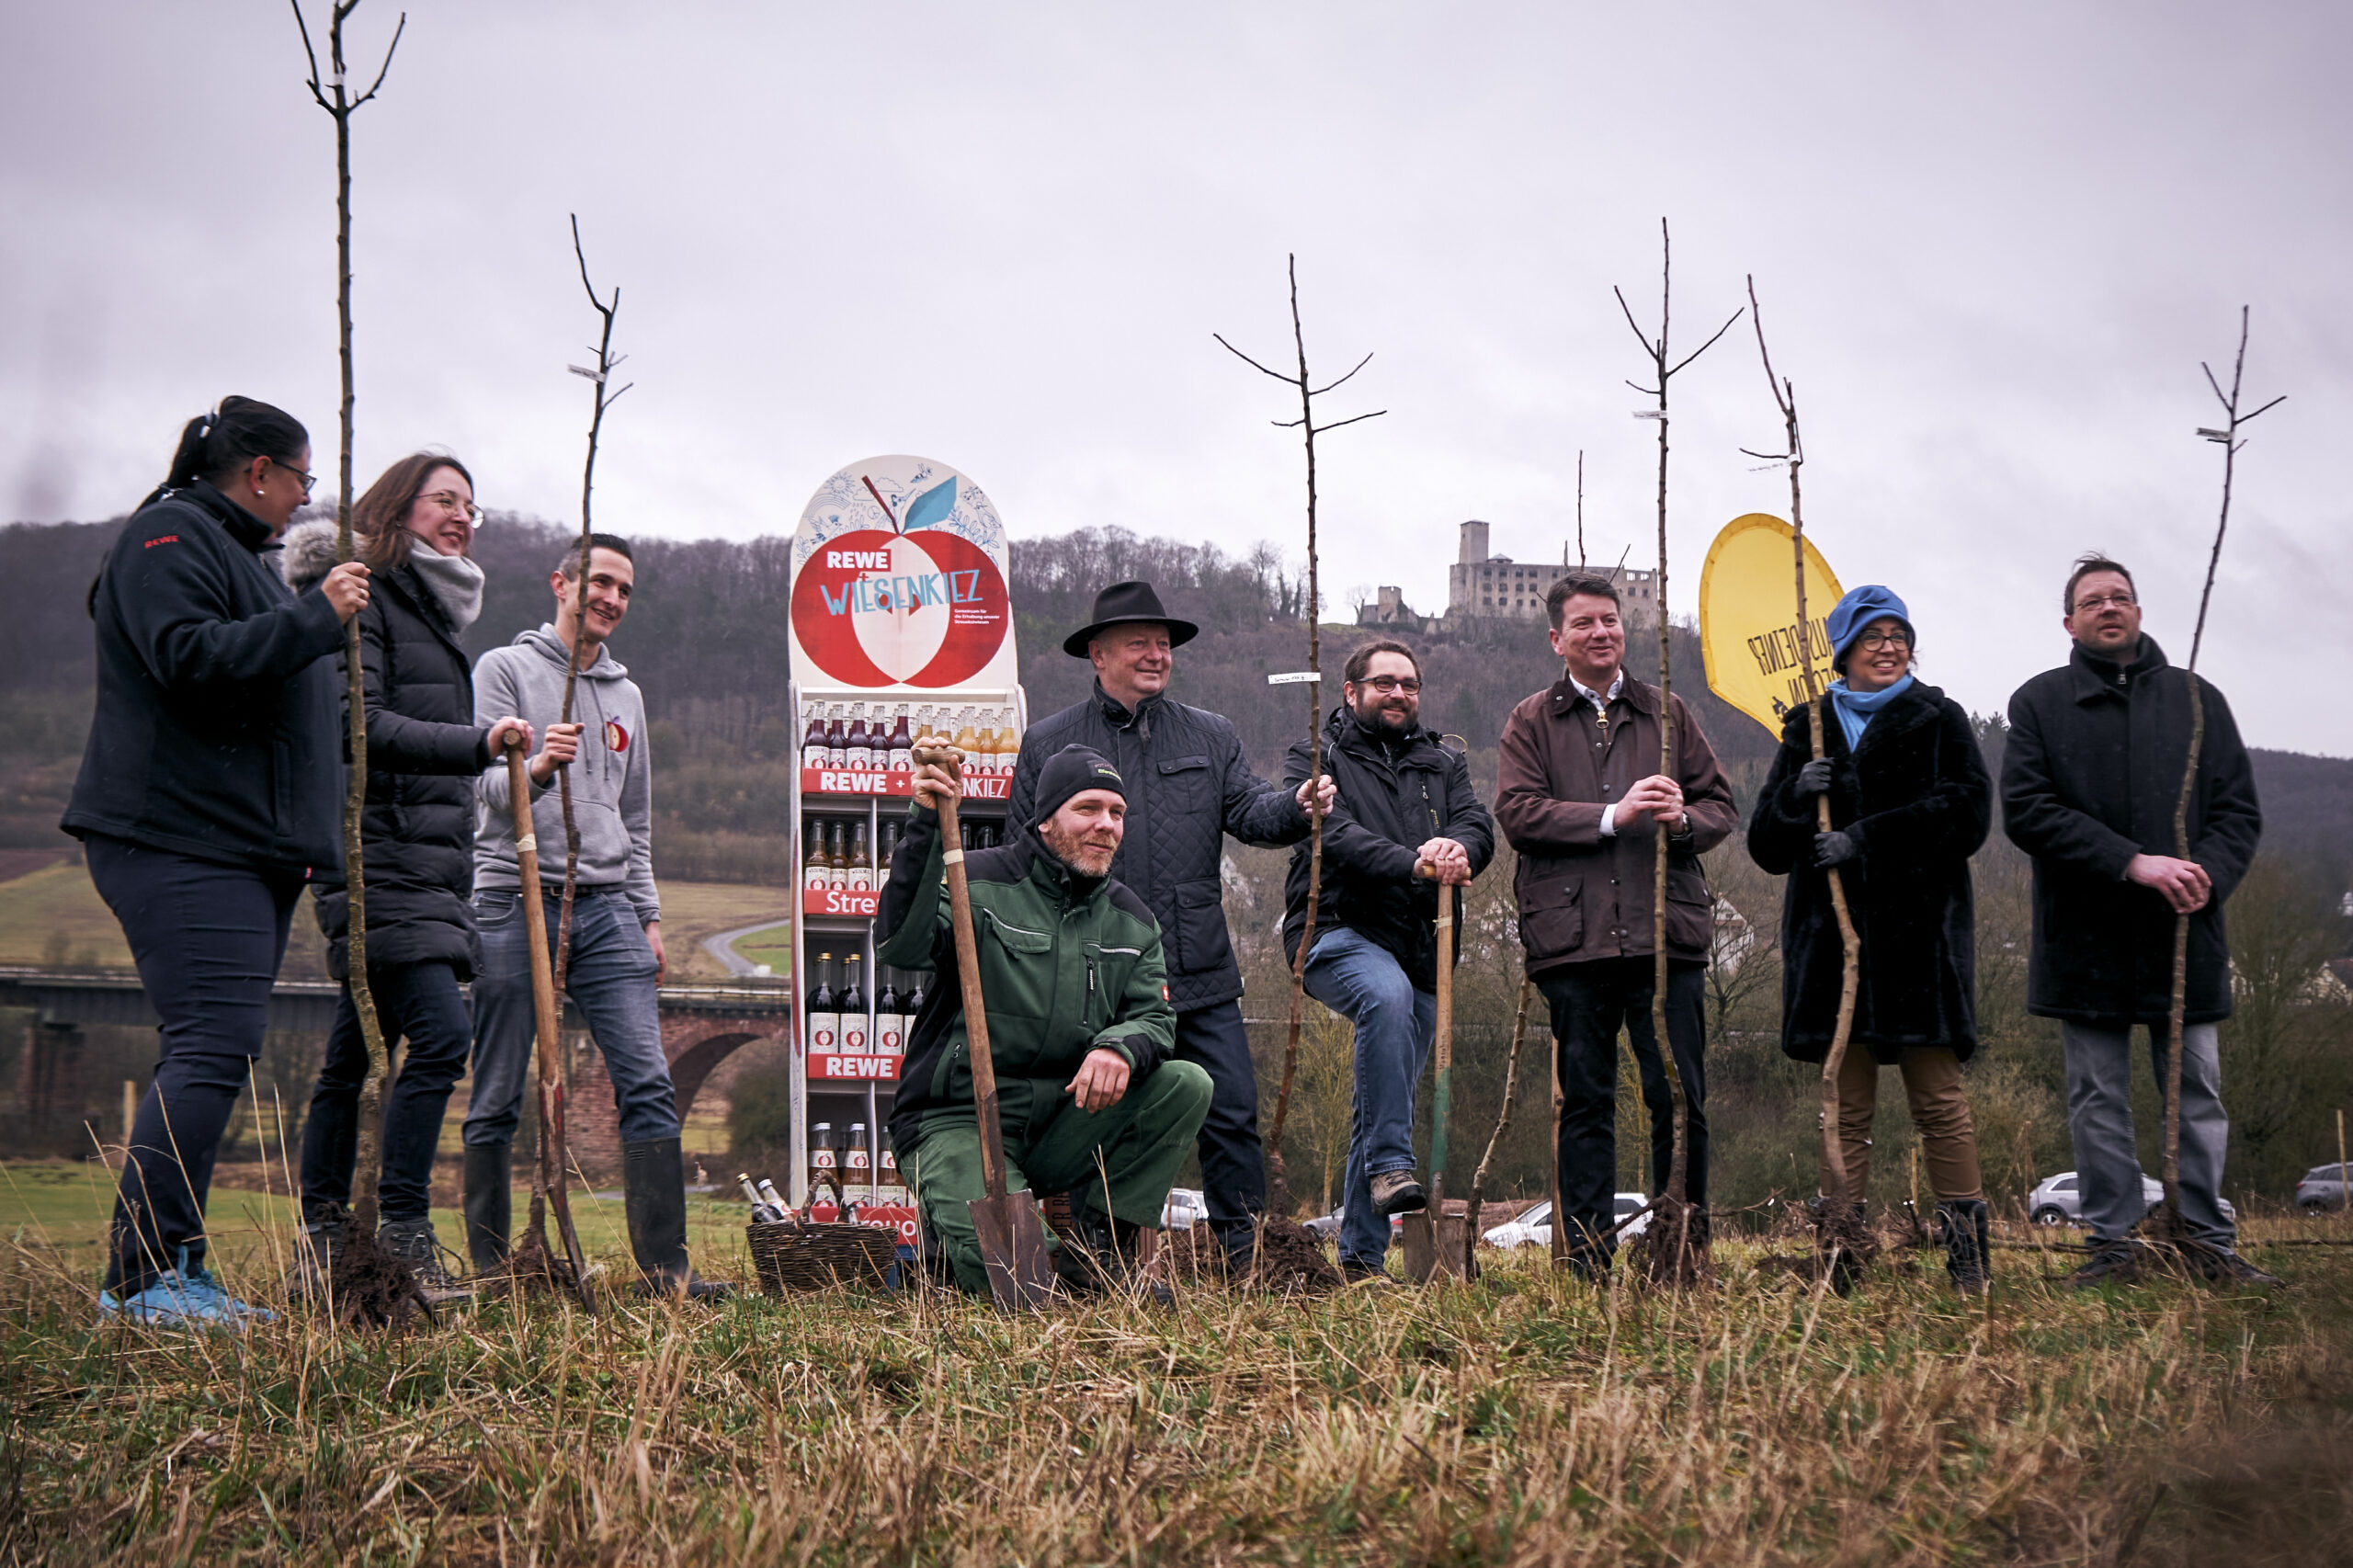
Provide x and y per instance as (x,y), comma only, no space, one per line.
(2322,1187)
(2056,1201)
(1184,1209)
(1534,1228)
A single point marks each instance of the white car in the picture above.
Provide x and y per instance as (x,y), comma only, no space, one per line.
(2059,1200)
(1534,1228)
(1184,1209)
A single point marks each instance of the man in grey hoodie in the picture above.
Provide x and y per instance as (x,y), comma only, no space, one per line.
(616,959)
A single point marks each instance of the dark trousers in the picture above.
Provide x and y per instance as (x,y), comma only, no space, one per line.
(1590,1002)
(1233,1164)
(208,940)
(417,1002)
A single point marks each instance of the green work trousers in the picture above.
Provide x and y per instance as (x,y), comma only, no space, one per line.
(1137,1146)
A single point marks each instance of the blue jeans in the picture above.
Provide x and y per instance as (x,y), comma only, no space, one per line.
(208,940)
(417,1002)
(610,980)
(1396,1025)
(1234,1164)
(2099,1121)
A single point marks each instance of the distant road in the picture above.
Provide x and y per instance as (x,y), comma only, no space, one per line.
(721,947)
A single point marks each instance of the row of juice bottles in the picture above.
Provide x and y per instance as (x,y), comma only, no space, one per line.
(842,735)
(839,1021)
(837,858)
(849,1161)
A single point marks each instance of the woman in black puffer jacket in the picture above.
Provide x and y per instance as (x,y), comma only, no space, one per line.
(413,528)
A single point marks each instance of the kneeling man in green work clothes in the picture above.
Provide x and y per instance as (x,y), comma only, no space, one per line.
(1080,1028)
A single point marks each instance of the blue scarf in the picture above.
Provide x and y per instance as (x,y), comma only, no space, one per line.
(1855,709)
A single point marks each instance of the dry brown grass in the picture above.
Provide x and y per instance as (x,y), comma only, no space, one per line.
(1524,1419)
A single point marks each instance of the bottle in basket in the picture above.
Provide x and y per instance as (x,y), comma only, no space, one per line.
(765,1211)
(852,1003)
(775,1199)
(823,1156)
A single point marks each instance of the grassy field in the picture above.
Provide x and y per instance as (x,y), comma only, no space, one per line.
(1524,1419)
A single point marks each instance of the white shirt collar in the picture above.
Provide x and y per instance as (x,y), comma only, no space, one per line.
(1600,702)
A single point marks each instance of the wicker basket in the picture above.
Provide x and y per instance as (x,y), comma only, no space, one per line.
(803,1255)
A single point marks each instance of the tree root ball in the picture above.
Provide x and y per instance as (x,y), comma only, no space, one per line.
(1290,1261)
(1672,1251)
(374,1289)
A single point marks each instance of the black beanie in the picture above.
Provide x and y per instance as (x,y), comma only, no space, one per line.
(1071,771)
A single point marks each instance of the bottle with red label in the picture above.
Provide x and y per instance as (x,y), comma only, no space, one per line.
(836,857)
(890,1029)
(902,743)
(859,741)
(816,867)
(825,1160)
(862,862)
(852,1003)
(888,1188)
(824,1028)
(857,1166)
(837,740)
(813,753)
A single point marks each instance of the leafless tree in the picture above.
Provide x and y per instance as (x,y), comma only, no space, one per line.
(1667,1251)
(2227,437)
(1838,1233)
(370,1286)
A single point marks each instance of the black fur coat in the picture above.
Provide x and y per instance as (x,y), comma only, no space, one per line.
(1916,798)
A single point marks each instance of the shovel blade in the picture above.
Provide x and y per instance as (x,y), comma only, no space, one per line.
(1013,1249)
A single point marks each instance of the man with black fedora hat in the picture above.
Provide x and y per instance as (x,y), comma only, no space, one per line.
(1188,787)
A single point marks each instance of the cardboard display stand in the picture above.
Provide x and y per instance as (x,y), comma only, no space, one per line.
(898,606)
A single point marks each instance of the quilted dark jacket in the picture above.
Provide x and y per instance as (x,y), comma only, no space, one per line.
(1393,796)
(1188,785)
(423,753)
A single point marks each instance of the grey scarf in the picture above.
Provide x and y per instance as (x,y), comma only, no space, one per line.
(455,582)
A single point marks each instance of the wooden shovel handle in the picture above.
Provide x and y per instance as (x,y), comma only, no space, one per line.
(967,969)
(534,914)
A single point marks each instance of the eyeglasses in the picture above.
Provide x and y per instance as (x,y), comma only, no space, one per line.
(305,480)
(2121,601)
(1387,684)
(1873,641)
(449,501)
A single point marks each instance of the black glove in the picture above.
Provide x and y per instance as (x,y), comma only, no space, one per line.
(1834,848)
(1811,779)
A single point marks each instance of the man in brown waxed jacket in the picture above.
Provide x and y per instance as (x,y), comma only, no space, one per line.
(1580,797)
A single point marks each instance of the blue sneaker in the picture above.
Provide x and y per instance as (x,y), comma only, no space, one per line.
(183,1298)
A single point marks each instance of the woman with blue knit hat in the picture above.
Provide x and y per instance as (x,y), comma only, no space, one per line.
(1910,803)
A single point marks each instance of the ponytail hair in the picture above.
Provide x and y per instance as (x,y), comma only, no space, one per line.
(214,445)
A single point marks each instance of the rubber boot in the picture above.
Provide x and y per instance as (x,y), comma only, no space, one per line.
(1968,1256)
(653,1197)
(490,1202)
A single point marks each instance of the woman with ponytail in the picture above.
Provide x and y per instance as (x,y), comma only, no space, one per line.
(208,795)
(415,530)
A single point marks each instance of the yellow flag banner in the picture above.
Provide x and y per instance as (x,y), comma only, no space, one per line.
(1749,617)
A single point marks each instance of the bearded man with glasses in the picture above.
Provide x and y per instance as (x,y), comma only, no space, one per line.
(2091,777)
(1405,830)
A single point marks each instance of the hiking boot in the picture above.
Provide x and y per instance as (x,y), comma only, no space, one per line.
(1099,1259)
(317,1247)
(654,1199)
(414,1242)
(1969,1260)
(1396,1192)
(182,1298)
(490,1202)
(2113,1262)
(2220,1266)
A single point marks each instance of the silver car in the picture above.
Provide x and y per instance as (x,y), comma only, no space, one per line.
(1184,1209)
(2057,1201)
(2322,1187)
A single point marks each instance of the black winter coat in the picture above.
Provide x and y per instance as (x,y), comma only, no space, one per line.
(2090,779)
(1916,798)
(423,754)
(1188,785)
(214,735)
(1391,797)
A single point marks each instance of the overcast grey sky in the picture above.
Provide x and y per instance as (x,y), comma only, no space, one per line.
(1993,243)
